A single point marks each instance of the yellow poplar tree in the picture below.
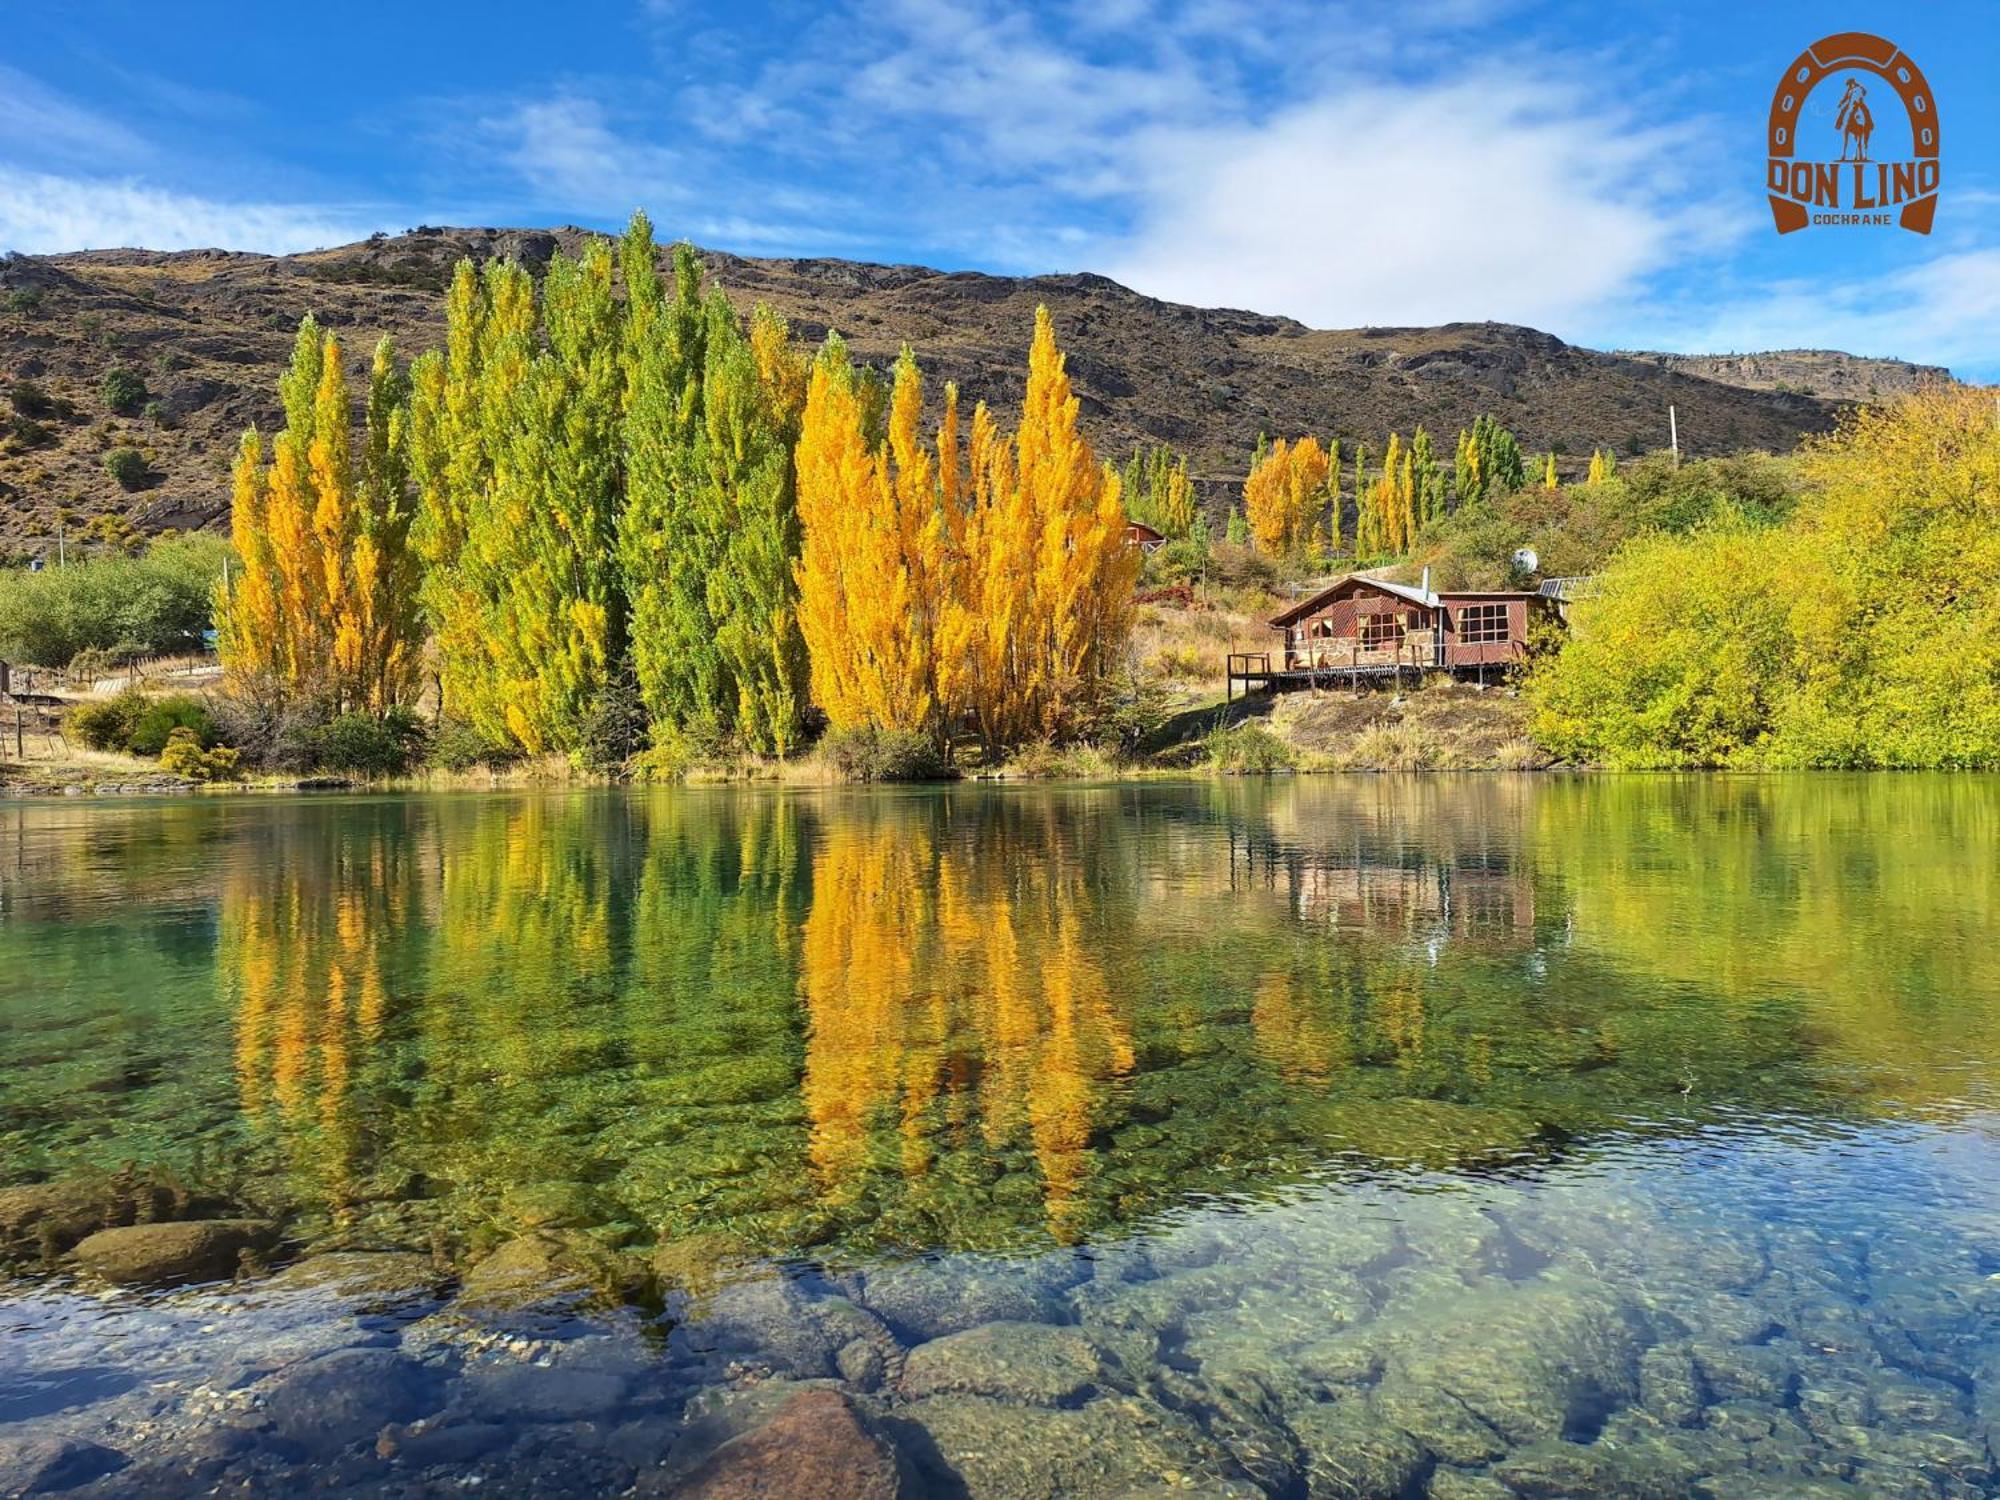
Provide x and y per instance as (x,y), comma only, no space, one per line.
(870,553)
(1392,502)
(249,618)
(933,582)
(1549,473)
(1283,494)
(324,603)
(1082,601)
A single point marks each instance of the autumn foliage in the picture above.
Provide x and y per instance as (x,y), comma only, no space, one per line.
(1286,497)
(1861,632)
(941,581)
(324,596)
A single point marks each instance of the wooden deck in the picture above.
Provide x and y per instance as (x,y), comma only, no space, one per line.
(1335,664)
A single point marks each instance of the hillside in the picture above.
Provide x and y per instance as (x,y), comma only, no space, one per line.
(1809,372)
(207,331)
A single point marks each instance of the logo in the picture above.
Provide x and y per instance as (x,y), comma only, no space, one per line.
(1807,183)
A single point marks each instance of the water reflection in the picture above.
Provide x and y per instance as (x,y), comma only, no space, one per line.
(973,1018)
(954,999)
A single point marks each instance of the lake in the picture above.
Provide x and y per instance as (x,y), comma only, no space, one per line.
(1370,1136)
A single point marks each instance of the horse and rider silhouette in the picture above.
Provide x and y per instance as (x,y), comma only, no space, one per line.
(1854,121)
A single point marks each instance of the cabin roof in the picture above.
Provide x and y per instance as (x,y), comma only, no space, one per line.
(1428,599)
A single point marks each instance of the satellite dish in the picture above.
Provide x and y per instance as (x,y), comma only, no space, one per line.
(1526,559)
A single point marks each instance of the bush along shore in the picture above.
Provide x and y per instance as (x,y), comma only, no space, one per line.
(1440,726)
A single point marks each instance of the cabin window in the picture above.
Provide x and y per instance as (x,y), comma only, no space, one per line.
(1379,631)
(1482,624)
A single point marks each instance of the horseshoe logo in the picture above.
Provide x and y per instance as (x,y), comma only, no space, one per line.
(1854,188)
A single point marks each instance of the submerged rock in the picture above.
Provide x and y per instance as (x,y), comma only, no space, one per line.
(1541,1359)
(440,1440)
(548,1274)
(45,1465)
(1352,1453)
(554,1205)
(1457,1484)
(1442,1422)
(1555,1470)
(1117,1445)
(1037,1363)
(331,1403)
(1670,1386)
(374,1281)
(925,1300)
(860,1364)
(867,1353)
(167,1254)
(814,1446)
(535,1393)
(53,1216)
(763,1323)
(696,1264)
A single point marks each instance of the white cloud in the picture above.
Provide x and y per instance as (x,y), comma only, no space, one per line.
(570,157)
(39,124)
(41,213)
(1485,198)
(1945,310)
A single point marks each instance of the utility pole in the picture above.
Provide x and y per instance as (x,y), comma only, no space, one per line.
(1674,434)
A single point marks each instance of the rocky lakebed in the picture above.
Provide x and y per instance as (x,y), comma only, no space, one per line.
(1586,1335)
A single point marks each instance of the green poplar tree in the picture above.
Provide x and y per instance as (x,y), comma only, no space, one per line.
(1428,476)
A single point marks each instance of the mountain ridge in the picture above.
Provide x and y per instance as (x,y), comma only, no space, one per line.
(208,331)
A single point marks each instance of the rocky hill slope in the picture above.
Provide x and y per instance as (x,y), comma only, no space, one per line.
(1807,372)
(206,332)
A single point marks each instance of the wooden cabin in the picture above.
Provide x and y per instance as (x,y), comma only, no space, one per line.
(1145,538)
(1366,628)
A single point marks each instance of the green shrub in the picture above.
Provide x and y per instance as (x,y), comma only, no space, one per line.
(30,400)
(875,754)
(1130,715)
(184,755)
(616,728)
(1044,761)
(28,432)
(269,723)
(367,746)
(1579,527)
(124,390)
(1857,634)
(158,718)
(156,603)
(1246,747)
(456,746)
(26,300)
(128,467)
(107,723)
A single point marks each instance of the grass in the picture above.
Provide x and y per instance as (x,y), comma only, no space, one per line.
(1443,726)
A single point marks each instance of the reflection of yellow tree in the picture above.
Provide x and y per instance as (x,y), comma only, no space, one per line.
(521,970)
(949,982)
(1403,1020)
(1293,1035)
(302,947)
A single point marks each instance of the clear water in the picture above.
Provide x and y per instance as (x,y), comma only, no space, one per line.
(1454,1136)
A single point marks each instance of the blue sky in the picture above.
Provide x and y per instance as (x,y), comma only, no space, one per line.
(1592,169)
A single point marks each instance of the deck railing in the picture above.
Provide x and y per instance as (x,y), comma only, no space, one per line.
(1417,648)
